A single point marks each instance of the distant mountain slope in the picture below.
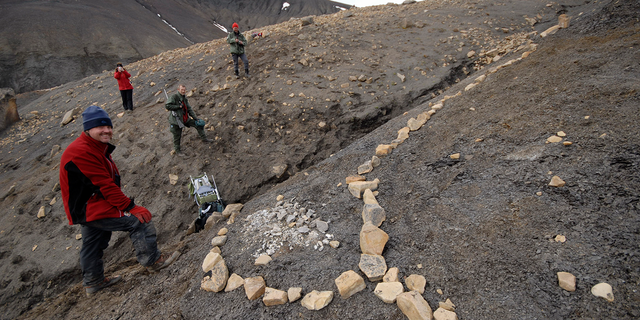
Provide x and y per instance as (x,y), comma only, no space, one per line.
(45,43)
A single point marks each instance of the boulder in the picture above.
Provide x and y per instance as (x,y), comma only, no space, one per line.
(218,241)
(232,209)
(391,275)
(603,290)
(210,261)
(416,282)
(413,305)
(567,281)
(218,279)
(316,300)
(263,260)
(349,283)
(294,293)
(444,314)
(368,197)
(234,282)
(373,213)
(254,287)
(372,239)
(373,266)
(274,297)
(358,187)
(388,291)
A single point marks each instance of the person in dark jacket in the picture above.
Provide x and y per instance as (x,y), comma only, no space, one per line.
(124,84)
(90,186)
(237,43)
(181,115)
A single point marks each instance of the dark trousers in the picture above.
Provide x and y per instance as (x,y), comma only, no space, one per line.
(95,239)
(245,62)
(127,99)
(177,133)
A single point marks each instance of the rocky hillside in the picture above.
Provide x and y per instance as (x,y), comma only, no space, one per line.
(72,39)
(505,157)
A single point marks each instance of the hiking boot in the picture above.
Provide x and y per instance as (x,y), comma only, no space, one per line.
(164,261)
(179,154)
(207,140)
(107,282)
(246,75)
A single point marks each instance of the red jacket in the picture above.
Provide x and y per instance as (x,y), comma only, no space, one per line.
(90,182)
(123,80)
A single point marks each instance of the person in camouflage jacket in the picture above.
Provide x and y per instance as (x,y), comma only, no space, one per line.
(237,43)
(181,115)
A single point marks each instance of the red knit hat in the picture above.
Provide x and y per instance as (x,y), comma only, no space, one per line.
(234,25)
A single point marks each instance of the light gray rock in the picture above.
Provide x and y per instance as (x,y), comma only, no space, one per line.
(388,291)
(294,293)
(67,118)
(416,282)
(373,213)
(373,266)
(218,241)
(322,226)
(303,230)
(375,161)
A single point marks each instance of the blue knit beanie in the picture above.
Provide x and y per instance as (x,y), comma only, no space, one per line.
(95,116)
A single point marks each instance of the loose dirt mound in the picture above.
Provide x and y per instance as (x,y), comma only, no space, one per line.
(481,228)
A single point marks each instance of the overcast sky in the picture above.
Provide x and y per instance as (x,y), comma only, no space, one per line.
(364,3)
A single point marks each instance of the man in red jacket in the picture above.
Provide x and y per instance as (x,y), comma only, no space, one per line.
(90,186)
(124,84)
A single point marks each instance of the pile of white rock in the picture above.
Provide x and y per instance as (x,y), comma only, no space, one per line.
(288,224)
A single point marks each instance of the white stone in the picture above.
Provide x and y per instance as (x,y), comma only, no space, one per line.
(388,291)
(557,182)
(210,261)
(357,187)
(263,260)
(274,297)
(316,300)
(218,241)
(567,281)
(41,212)
(294,294)
(416,282)
(391,275)
(603,290)
(444,314)
(234,282)
(413,305)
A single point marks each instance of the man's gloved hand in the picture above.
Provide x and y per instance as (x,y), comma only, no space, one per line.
(141,213)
